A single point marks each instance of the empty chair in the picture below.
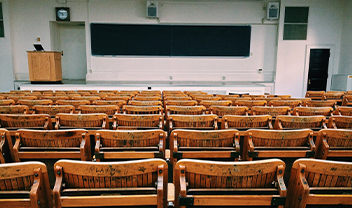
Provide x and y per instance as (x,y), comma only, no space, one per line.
(87,91)
(180,103)
(224,97)
(254,96)
(103,95)
(184,110)
(98,184)
(229,110)
(31,103)
(53,109)
(272,111)
(6,150)
(202,144)
(144,103)
(246,122)
(250,103)
(321,103)
(279,96)
(55,98)
(289,103)
(136,121)
(208,103)
(52,144)
(201,122)
(335,96)
(119,103)
(268,99)
(89,98)
(340,122)
(129,144)
(151,92)
(209,183)
(177,98)
(313,111)
(278,144)
(347,100)
(319,182)
(145,98)
(234,99)
(71,95)
(17,98)
(7,102)
(315,95)
(16,121)
(300,122)
(107,109)
(334,143)
(199,99)
(130,109)
(343,111)
(14,109)
(87,121)
(25,184)
(75,103)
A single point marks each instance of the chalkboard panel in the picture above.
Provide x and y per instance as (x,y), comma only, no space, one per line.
(170,40)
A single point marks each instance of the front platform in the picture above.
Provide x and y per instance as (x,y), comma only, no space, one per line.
(212,88)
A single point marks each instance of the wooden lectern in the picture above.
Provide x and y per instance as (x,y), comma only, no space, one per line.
(44,66)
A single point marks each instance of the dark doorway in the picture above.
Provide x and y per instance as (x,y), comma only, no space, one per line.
(318,69)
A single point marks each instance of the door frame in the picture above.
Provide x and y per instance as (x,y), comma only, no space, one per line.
(330,67)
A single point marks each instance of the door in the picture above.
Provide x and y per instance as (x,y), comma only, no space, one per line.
(318,69)
(72,43)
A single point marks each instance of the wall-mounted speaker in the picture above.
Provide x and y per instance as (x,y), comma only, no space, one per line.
(152,9)
(273,10)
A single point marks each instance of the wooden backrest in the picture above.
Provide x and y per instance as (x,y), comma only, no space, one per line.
(255,139)
(71,95)
(208,103)
(279,96)
(181,102)
(224,97)
(234,99)
(6,149)
(14,109)
(131,109)
(341,122)
(119,103)
(136,121)
(313,111)
(75,103)
(194,96)
(146,98)
(204,138)
(268,99)
(81,120)
(87,91)
(299,122)
(167,97)
(26,176)
(300,99)
(151,92)
(254,96)
(9,121)
(344,111)
(185,110)
(17,98)
(199,99)
(235,121)
(272,111)
(131,138)
(31,103)
(90,98)
(107,109)
(347,100)
(228,110)
(331,138)
(55,98)
(118,97)
(334,95)
(193,121)
(235,175)
(53,110)
(7,102)
(319,174)
(250,103)
(103,95)
(290,103)
(315,94)
(320,103)
(144,103)
(52,139)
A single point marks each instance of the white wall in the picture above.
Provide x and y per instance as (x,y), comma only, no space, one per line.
(324,28)
(6,72)
(190,69)
(345,66)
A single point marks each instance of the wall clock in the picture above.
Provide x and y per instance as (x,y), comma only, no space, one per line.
(62,13)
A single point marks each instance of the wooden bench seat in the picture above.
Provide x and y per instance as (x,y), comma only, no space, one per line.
(246,122)
(335,143)
(93,121)
(319,182)
(136,121)
(16,121)
(6,149)
(111,184)
(300,122)
(209,183)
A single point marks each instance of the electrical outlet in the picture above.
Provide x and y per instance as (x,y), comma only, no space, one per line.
(260,71)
